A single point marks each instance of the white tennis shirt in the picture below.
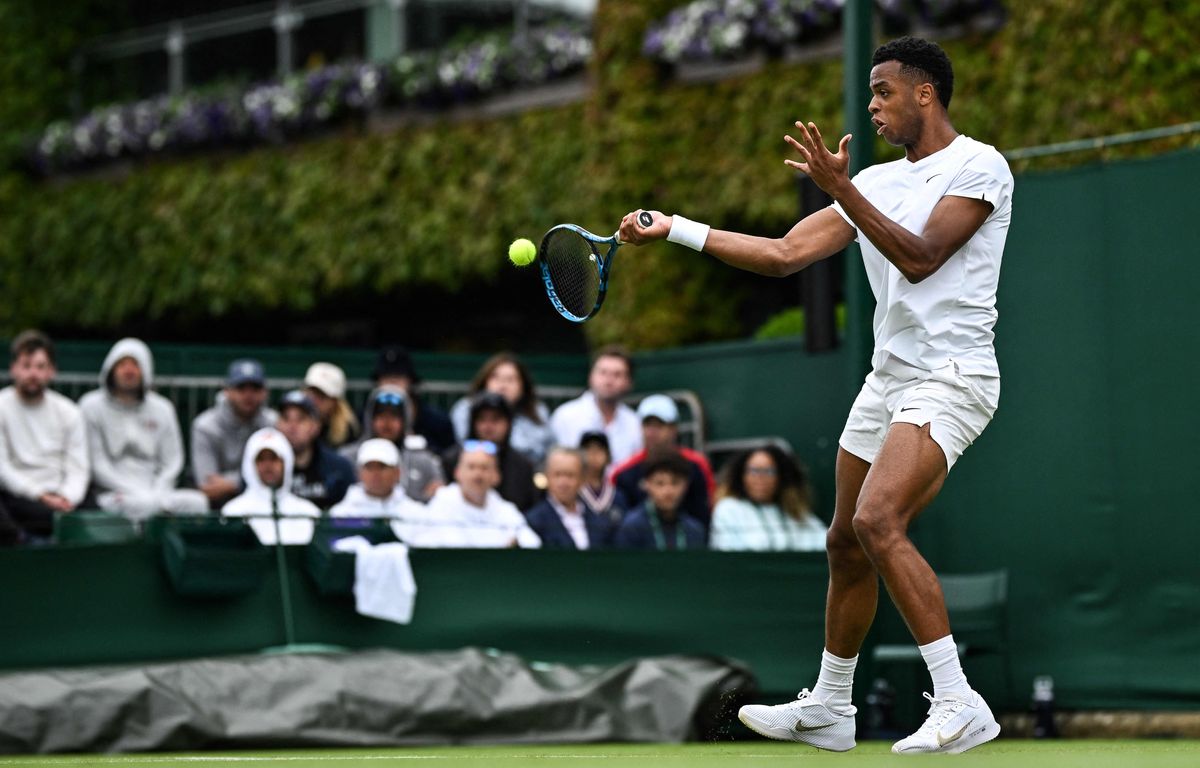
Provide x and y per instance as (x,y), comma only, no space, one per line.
(948,317)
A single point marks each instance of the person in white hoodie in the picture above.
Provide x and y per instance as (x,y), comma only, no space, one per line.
(43,445)
(267,472)
(378,492)
(134,441)
(469,513)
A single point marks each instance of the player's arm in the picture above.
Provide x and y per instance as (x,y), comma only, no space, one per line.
(951,224)
(814,237)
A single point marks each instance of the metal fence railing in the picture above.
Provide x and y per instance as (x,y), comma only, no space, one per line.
(193,394)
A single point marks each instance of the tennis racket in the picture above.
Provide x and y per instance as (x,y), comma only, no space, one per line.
(574,270)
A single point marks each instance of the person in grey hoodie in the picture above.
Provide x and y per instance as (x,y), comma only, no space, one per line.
(134,441)
(386,416)
(219,434)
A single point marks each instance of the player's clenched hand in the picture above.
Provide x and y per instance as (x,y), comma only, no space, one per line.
(826,169)
(631,231)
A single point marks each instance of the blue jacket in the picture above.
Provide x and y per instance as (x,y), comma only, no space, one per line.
(637,531)
(326,479)
(544,520)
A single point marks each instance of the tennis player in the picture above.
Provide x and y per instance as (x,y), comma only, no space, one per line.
(932,228)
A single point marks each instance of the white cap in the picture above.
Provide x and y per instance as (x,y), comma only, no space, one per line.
(658,407)
(378,449)
(328,378)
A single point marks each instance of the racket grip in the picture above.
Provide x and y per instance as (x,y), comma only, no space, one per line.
(645,219)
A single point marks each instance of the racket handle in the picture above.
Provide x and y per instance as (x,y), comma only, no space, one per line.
(644,219)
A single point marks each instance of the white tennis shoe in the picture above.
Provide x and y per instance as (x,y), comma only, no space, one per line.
(955,724)
(806,720)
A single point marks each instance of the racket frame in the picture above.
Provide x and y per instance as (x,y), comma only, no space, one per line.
(603,263)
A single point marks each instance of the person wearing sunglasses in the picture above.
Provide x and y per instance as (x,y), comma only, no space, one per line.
(764,505)
(387,416)
(469,513)
(491,419)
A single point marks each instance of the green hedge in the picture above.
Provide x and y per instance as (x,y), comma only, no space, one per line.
(437,204)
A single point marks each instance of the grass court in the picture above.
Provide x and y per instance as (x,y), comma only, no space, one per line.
(998,754)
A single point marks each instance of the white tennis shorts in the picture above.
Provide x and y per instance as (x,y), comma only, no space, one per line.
(956,407)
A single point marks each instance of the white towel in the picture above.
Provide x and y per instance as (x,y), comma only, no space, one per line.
(384,587)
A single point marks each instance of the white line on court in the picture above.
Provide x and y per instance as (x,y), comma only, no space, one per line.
(136,759)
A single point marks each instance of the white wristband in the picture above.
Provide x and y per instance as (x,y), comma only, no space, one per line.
(693,234)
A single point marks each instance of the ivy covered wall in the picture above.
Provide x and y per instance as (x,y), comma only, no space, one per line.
(435,203)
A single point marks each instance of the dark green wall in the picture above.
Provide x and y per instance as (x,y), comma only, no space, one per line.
(1084,485)
(592,607)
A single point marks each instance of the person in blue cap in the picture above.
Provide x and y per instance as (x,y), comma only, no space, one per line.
(219,434)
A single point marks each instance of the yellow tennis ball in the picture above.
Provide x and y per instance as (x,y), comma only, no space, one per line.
(522,252)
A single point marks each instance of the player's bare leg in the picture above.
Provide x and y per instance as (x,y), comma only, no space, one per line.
(825,717)
(853,583)
(907,474)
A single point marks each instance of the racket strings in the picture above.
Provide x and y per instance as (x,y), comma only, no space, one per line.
(574,271)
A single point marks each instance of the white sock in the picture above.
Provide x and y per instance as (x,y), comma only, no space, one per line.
(941,656)
(835,681)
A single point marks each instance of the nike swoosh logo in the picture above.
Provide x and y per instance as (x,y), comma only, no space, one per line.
(942,741)
(909,408)
(801,728)
(931,178)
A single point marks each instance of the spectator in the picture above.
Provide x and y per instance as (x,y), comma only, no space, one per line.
(134,440)
(219,434)
(598,492)
(386,416)
(491,419)
(660,430)
(43,445)
(469,513)
(506,375)
(378,492)
(267,471)
(326,386)
(319,474)
(765,506)
(657,523)
(600,407)
(395,368)
(562,520)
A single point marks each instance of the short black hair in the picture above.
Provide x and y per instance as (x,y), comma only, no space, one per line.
(595,437)
(923,59)
(667,460)
(490,401)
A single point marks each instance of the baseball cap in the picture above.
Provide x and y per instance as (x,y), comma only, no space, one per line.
(245,371)
(658,407)
(328,378)
(378,449)
(297,399)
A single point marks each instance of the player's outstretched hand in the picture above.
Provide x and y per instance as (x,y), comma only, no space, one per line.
(635,232)
(826,169)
